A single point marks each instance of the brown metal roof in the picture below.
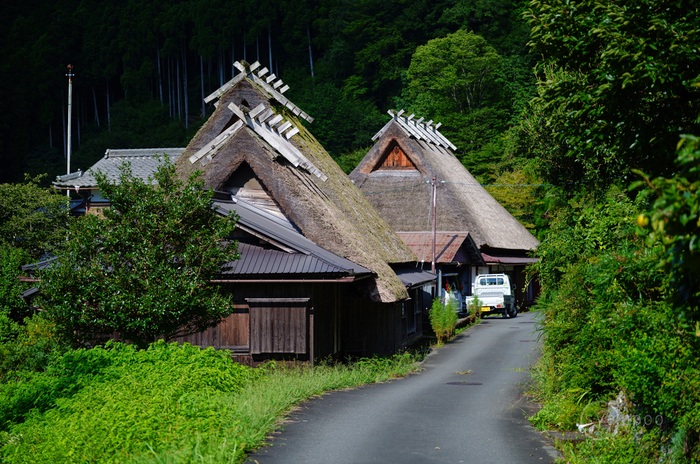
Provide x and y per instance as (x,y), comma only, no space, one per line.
(450,247)
(508,259)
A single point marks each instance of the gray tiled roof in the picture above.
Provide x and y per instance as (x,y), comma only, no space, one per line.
(303,255)
(143,161)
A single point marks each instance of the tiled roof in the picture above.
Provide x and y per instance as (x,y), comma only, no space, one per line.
(447,246)
(143,161)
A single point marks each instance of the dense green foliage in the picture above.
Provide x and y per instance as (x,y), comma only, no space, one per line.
(32,223)
(624,95)
(169,403)
(32,218)
(619,301)
(674,222)
(142,268)
(142,68)
(609,324)
(119,402)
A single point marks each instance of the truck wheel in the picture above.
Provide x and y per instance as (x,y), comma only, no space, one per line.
(513,312)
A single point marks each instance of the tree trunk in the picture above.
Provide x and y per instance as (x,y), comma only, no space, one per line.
(50,137)
(201,76)
(171,109)
(109,118)
(94,99)
(222,64)
(160,78)
(179,102)
(269,44)
(311,56)
(184,84)
(257,48)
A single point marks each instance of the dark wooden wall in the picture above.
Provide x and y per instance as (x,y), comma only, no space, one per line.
(308,322)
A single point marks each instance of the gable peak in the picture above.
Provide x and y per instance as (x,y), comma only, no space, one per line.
(268,82)
(417,129)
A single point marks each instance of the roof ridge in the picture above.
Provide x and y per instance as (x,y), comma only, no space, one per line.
(271,84)
(417,128)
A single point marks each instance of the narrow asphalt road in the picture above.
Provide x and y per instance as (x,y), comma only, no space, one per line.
(465,406)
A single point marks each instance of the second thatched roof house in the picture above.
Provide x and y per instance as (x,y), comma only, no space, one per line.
(397,176)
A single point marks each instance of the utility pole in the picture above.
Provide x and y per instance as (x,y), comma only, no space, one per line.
(433,206)
(70,107)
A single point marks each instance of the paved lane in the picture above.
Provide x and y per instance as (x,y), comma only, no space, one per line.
(440,415)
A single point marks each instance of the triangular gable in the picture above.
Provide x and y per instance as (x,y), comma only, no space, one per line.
(311,190)
(395,157)
(403,198)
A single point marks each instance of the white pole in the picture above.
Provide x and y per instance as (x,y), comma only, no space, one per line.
(70,104)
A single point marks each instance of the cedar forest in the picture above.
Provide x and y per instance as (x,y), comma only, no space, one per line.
(580,117)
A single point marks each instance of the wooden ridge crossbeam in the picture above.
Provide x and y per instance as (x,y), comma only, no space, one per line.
(271,84)
(270,127)
(418,129)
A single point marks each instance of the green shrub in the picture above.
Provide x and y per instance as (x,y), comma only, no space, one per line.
(443,318)
(115,403)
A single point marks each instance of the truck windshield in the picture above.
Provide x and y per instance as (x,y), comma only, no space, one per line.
(491,281)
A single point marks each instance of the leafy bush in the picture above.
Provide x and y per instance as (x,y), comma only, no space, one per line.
(142,268)
(118,402)
(170,403)
(443,318)
(609,325)
(32,347)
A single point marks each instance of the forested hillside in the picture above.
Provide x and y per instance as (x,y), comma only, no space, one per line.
(581,116)
(142,69)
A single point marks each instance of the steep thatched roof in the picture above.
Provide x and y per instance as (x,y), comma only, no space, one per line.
(396,177)
(253,144)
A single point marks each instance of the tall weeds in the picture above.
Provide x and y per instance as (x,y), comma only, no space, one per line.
(443,319)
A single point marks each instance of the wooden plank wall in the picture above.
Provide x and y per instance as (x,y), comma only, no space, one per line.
(279,325)
(232,333)
(340,322)
(395,158)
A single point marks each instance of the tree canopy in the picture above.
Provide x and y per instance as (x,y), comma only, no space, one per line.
(142,68)
(142,268)
(623,92)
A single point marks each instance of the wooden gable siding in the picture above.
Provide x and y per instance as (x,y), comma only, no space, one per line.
(279,325)
(395,158)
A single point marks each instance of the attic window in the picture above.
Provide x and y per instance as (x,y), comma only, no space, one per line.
(245,184)
(395,158)
(244,177)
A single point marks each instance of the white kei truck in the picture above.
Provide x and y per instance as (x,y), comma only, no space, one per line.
(495,295)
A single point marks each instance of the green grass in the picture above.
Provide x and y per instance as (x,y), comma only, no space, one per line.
(168,404)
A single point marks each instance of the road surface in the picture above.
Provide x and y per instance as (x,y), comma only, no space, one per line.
(465,406)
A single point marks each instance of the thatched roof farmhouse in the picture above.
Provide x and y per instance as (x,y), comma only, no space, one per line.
(255,148)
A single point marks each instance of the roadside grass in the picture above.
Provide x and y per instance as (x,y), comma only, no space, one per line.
(168,404)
